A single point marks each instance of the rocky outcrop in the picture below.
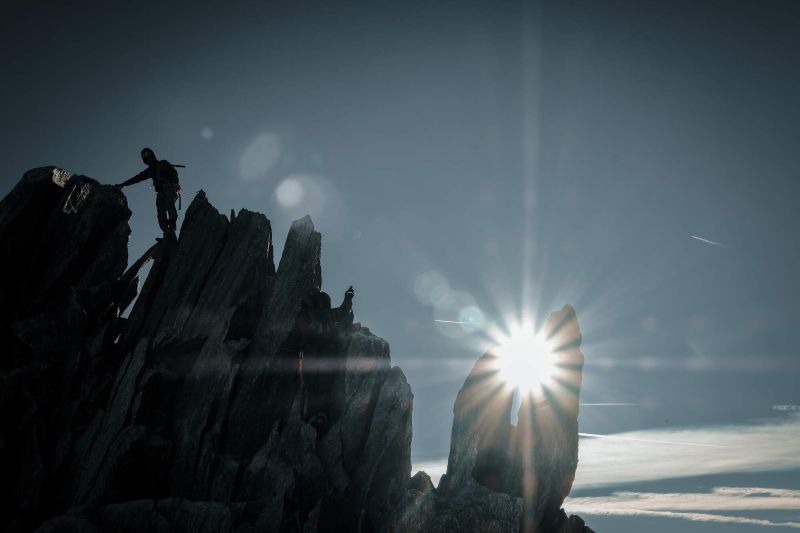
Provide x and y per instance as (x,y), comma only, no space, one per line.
(63,241)
(503,477)
(233,397)
(195,412)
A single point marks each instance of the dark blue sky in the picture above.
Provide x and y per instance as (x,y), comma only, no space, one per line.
(572,148)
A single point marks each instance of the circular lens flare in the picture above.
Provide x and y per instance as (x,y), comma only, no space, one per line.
(525,361)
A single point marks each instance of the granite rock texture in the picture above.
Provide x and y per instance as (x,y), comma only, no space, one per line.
(192,413)
(233,396)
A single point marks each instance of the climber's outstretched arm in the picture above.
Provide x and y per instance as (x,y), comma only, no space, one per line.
(141,176)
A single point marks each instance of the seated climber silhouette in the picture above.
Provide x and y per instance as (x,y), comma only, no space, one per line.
(167,186)
(343,315)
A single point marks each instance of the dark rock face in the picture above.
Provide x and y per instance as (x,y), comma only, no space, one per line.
(233,397)
(194,413)
(502,477)
(63,241)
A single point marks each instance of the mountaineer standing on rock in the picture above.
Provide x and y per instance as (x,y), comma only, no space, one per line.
(167,186)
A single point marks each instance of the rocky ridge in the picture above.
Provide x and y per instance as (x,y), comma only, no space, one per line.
(233,397)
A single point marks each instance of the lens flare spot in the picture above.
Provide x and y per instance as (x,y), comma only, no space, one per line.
(260,156)
(431,288)
(472,319)
(290,192)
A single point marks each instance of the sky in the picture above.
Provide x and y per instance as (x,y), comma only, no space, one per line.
(486,161)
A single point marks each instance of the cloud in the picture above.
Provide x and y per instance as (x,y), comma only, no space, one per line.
(435,469)
(695,517)
(651,455)
(744,448)
(725,499)
(685,505)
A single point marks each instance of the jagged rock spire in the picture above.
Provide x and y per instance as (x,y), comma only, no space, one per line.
(225,401)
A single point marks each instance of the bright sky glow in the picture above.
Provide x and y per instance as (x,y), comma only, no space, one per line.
(525,361)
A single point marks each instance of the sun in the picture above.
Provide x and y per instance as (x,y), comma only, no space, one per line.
(525,361)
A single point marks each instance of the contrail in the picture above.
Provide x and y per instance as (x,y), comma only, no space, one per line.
(708,241)
(610,404)
(594,435)
(451,322)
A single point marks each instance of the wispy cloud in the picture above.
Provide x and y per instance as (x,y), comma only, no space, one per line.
(718,499)
(685,505)
(633,439)
(695,517)
(651,455)
(738,448)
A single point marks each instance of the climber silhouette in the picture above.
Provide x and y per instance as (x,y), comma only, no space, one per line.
(343,315)
(167,186)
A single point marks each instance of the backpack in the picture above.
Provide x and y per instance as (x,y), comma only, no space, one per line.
(166,176)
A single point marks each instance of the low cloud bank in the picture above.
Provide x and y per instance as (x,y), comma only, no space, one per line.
(651,455)
(726,499)
(761,447)
(687,505)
